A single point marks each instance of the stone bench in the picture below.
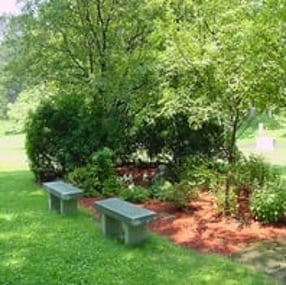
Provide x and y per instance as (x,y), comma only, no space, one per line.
(123,219)
(63,197)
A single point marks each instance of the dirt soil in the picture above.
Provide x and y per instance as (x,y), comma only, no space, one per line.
(202,229)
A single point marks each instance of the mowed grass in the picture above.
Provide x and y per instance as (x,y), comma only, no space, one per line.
(12,155)
(276,157)
(41,247)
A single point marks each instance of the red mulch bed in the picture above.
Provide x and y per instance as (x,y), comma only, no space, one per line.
(200,227)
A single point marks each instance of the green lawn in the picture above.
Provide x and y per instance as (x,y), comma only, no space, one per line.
(12,155)
(40,247)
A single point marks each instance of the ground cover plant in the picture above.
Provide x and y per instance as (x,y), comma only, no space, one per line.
(41,247)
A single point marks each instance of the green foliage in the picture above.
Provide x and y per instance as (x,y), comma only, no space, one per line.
(27,101)
(207,173)
(181,193)
(9,88)
(219,194)
(175,136)
(136,194)
(212,65)
(86,179)
(106,59)
(112,186)
(107,56)
(103,161)
(249,127)
(184,192)
(61,135)
(268,203)
(162,190)
(98,176)
(3,107)
(211,60)
(253,171)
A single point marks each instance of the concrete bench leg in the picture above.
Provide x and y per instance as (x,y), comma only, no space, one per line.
(68,207)
(134,235)
(54,203)
(111,227)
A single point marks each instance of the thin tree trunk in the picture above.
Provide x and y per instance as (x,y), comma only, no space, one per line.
(227,189)
(230,162)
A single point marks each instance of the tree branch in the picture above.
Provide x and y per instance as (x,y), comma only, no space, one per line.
(73,58)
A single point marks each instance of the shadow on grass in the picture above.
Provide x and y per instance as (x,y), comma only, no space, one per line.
(66,256)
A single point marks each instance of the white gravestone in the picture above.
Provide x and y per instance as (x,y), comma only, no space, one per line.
(264,142)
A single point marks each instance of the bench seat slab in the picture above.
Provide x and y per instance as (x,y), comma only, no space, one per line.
(122,219)
(124,211)
(63,190)
(63,197)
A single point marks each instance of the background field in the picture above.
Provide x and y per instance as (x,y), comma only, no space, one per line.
(11,149)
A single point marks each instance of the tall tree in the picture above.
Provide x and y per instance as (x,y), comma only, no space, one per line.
(100,49)
(225,57)
(102,45)
(9,89)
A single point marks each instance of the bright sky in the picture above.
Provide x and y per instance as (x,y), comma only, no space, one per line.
(8,6)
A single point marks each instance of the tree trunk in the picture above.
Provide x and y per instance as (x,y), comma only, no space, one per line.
(230,161)
(227,188)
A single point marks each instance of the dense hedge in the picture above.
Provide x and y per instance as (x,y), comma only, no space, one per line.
(61,134)
(175,136)
(64,132)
